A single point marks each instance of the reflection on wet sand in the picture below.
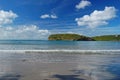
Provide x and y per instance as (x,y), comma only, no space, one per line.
(10,77)
(58,66)
(68,77)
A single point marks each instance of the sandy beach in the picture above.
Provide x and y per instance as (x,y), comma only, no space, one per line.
(57,66)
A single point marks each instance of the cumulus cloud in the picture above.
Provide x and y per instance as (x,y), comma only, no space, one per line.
(97,18)
(45,16)
(23,32)
(83,4)
(20,31)
(7,17)
(53,16)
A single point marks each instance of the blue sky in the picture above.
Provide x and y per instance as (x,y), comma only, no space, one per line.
(37,19)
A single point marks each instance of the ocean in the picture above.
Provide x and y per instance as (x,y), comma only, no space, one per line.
(58,45)
(59,60)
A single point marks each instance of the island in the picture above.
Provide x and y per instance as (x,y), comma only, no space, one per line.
(77,37)
(107,38)
(70,37)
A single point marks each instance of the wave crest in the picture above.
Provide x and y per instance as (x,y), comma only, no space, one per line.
(66,51)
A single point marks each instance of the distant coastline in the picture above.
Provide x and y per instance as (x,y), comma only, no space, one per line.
(77,37)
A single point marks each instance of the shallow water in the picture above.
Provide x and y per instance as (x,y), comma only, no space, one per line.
(58,66)
(59,60)
(58,45)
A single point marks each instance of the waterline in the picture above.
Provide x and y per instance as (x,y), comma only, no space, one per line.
(65,51)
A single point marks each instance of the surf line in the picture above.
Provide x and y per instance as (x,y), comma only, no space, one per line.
(118,50)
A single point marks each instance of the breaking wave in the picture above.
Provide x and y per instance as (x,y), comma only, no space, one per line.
(66,51)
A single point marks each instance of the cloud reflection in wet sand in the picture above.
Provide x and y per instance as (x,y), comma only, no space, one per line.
(10,77)
(52,66)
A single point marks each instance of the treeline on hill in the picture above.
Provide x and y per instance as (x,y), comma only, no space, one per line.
(71,37)
(77,37)
(107,38)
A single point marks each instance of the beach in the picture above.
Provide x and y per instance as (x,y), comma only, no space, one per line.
(59,40)
(59,60)
(58,66)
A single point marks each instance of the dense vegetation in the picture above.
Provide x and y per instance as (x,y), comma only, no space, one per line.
(107,38)
(71,37)
(76,37)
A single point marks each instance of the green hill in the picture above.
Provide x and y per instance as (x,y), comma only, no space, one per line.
(76,37)
(107,38)
(70,37)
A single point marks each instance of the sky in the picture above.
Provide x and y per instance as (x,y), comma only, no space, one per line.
(37,19)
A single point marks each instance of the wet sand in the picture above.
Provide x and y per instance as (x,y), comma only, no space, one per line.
(58,66)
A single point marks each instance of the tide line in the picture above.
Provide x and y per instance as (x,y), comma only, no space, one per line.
(60,50)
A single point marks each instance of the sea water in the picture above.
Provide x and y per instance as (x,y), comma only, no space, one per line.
(58,45)
(59,60)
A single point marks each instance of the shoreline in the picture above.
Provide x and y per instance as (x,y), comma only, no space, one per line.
(56,50)
(84,52)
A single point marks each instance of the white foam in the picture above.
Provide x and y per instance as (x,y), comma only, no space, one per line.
(66,51)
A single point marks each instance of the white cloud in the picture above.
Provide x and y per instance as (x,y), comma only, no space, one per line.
(45,16)
(23,32)
(97,18)
(83,4)
(53,16)
(20,31)
(7,17)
